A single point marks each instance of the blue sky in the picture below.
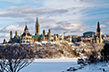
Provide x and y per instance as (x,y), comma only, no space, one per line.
(73,16)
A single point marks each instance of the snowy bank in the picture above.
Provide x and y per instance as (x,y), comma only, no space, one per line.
(57,60)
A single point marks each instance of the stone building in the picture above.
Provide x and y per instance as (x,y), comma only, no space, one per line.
(92,36)
(26,37)
(98,34)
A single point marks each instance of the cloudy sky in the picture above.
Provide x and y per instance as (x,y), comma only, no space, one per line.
(72,16)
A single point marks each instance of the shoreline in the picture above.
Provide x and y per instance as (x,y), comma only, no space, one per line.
(56,60)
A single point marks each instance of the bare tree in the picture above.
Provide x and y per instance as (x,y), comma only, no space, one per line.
(15,57)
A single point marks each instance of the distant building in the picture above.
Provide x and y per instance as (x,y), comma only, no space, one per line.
(88,34)
(26,37)
(15,39)
(92,36)
(4,41)
(98,34)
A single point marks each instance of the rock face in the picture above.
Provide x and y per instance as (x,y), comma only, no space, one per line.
(55,50)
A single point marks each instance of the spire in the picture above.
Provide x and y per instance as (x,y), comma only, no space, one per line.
(26,28)
(37,27)
(98,27)
(37,22)
(10,34)
(43,32)
(16,33)
(49,33)
(26,31)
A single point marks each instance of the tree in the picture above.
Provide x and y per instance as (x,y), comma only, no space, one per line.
(75,53)
(93,57)
(15,57)
(105,52)
(83,51)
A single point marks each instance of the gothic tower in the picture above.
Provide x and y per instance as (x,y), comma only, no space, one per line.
(49,34)
(10,34)
(16,33)
(37,27)
(26,31)
(98,33)
(26,36)
(43,32)
(4,41)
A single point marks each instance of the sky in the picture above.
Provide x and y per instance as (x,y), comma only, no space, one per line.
(72,16)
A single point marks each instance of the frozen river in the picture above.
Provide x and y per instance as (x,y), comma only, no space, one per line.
(59,65)
(49,65)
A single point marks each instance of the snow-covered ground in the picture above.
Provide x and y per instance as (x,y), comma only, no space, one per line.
(49,65)
(57,60)
(96,68)
(61,65)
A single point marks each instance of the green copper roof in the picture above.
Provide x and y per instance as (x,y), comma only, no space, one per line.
(35,36)
(16,37)
(46,35)
(41,36)
(37,22)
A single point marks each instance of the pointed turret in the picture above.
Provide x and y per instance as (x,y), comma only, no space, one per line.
(16,33)
(43,32)
(26,36)
(10,34)
(26,31)
(26,28)
(49,34)
(37,22)
(37,27)
(4,41)
(98,34)
(98,27)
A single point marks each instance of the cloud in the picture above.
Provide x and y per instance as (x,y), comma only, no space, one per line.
(5,36)
(31,21)
(21,1)
(65,26)
(30,12)
(12,28)
(86,0)
(102,26)
(59,15)
(105,21)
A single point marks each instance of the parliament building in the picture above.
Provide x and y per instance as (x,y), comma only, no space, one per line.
(27,37)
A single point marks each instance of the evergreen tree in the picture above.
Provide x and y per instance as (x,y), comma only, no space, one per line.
(105,52)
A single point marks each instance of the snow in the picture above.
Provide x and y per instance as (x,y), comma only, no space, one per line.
(44,42)
(95,68)
(61,65)
(49,65)
(57,60)
(38,43)
(70,43)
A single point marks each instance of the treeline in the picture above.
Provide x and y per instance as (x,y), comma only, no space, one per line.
(94,57)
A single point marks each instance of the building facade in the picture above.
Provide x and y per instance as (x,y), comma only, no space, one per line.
(26,37)
(98,34)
